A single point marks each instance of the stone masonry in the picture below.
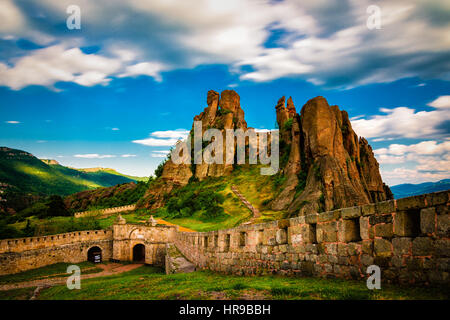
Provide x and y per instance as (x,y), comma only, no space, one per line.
(409,239)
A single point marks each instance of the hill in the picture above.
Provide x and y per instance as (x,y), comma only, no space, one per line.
(323,165)
(24,177)
(112,171)
(407,189)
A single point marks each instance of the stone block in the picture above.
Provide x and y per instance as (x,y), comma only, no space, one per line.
(368,209)
(443,225)
(385,207)
(281,236)
(326,232)
(311,218)
(416,202)
(351,213)
(367,247)
(331,248)
(428,220)
(384,230)
(442,247)
(422,246)
(364,228)
(382,248)
(283,223)
(437,198)
(342,249)
(402,246)
(328,216)
(349,230)
(376,219)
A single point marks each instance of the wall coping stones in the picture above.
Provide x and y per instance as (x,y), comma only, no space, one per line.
(350,213)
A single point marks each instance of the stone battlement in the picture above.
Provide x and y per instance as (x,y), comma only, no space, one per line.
(105,212)
(409,239)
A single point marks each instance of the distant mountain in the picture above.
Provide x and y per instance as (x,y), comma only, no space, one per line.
(22,175)
(112,171)
(407,189)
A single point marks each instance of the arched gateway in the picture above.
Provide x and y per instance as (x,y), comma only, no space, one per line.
(95,254)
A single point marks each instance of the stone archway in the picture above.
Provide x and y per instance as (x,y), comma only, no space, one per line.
(94,254)
(139,253)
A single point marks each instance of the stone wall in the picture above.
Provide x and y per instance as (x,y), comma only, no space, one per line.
(153,238)
(105,212)
(17,255)
(407,238)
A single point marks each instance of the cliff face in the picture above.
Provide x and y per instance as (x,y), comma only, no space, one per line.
(328,166)
(324,164)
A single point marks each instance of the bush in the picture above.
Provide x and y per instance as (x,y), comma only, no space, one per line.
(186,202)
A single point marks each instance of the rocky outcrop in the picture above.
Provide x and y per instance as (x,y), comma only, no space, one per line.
(333,168)
(324,163)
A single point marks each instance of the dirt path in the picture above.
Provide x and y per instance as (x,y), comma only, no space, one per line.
(108,270)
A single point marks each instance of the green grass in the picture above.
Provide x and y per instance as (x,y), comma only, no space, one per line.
(151,283)
(51,271)
(17,294)
(256,188)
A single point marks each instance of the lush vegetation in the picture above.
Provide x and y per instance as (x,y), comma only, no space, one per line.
(211,205)
(33,226)
(151,283)
(100,198)
(24,178)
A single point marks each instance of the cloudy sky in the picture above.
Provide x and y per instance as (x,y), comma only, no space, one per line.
(122,89)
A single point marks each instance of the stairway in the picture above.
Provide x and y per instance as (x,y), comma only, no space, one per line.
(255,211)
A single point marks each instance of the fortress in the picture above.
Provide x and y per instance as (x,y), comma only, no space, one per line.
(409,239)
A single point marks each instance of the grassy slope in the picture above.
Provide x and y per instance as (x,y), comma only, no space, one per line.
(51,271)
(31,175)
(151,283)
(254,186)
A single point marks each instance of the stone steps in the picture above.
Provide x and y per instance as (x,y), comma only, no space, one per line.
(255,211)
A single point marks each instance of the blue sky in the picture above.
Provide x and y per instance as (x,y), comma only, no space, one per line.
(117,92)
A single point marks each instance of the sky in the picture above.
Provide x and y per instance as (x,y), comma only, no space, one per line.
(120,90)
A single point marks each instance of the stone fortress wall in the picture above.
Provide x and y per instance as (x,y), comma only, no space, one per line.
(17,255)
(105,212)
(409,239)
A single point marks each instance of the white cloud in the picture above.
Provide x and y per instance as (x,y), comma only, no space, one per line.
(443,102)
(166,138)
(159,153)
(62,63)
(128,155)
(152,142)
(404,122)
(151,69)
(12,122)
(178,133)
(94,156)
(115,129)
(424,161)
(324,42)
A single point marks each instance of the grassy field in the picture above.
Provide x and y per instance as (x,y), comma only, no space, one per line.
(51,271)
(151,283)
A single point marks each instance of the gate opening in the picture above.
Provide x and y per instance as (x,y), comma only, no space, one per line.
(139,253)
(95,255)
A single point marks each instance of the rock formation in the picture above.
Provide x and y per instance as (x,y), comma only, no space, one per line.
(328,166)
(324,163)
